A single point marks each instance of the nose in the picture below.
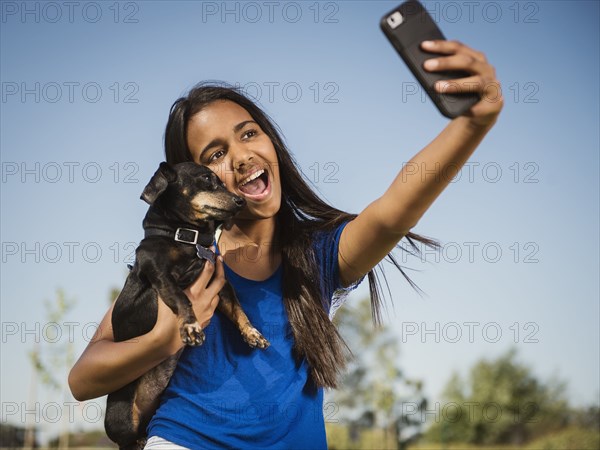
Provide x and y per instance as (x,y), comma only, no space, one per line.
(239,201)
(242,158)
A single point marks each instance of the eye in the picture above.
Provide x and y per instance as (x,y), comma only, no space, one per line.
(249,133)
(216,155)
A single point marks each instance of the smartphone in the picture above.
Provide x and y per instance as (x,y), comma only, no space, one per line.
(406,27)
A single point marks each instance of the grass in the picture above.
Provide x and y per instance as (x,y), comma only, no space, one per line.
(338,438)
(571,438)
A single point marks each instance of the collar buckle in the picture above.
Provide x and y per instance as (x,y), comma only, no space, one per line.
(186,235)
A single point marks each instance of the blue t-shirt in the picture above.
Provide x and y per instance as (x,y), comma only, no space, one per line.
(225,394)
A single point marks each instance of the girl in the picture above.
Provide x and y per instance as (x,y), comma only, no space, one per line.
(291,259)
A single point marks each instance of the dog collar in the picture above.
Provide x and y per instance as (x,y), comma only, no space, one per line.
(185,236)
(205,253)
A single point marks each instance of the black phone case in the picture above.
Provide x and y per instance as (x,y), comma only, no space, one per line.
(406,38)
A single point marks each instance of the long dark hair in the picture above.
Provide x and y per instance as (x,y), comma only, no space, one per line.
(302,213)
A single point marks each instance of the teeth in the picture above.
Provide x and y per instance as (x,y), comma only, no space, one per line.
(254,176)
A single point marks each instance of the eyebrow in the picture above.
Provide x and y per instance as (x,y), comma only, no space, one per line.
(214,142)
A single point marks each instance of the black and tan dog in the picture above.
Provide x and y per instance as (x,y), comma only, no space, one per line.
(187,203)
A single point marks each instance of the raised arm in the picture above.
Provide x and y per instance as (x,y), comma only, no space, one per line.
(106,366)
(373,234)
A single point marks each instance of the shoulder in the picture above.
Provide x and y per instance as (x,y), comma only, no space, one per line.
(328,236)
(325,244)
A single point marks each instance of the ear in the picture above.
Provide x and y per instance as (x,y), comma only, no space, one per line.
(158,183)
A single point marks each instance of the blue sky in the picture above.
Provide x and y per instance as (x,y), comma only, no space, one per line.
(85,98)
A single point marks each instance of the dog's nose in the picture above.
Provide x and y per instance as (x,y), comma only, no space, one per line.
(239,201)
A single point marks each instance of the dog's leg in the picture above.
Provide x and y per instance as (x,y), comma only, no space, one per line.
(137,445)
(119,420)
(230,306)
(147,393)
(173,296)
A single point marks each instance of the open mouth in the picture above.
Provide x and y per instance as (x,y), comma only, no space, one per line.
(256,186)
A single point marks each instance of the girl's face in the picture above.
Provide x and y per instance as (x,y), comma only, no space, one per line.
(225,138)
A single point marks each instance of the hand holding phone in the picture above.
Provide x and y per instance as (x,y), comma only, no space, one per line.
(406,27)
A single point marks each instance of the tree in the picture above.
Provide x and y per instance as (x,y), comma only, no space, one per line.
(374,386)
(53,358)
(89,439)
(113,293)
(12,436)
(501,402)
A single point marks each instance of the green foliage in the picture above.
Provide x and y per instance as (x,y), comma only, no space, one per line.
(374,387)
(501,402)
(12,436)
(113,294)
(571,438)
(461,446)
(339,437)
(90,439)
(49,359)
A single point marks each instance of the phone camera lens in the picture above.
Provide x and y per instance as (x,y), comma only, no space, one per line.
(395,20)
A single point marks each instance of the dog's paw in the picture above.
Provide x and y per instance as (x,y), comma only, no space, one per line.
(192,334)
(253,338)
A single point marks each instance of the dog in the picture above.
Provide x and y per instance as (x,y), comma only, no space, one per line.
(187,203)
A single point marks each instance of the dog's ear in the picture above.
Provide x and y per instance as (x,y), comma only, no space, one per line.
(158,183)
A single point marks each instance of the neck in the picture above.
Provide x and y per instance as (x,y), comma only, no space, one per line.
(252,232)
(250,248)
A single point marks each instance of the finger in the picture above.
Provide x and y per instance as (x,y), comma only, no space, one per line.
(451,47)
(202,281)
(489,91)
(207,271)
(215,302)
(459,61)
(462,85)
(491,101)
(218,280)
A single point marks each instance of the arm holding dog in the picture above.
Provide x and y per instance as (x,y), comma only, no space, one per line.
(106,366)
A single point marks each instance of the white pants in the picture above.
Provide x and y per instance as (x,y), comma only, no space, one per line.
(158,443)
